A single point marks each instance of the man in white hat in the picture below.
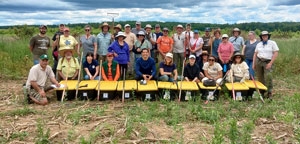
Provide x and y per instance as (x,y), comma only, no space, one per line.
(179,46)
(39,44)
(130,39)
(138,27)
(36,83)
(264,57)
(150,36)
(103,41)
(237,40)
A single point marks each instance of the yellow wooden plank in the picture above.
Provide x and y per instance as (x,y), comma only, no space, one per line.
(251,84)
(107,85)
(71,84)
(207,88)
(87,85)
(150,86)
(237,86)
(129,85)
(167,85)
(188,85)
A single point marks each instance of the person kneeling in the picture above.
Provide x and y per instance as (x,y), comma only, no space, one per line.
(167,69)
(35,85)
(145,67)
(110,69)
(239,69)
(91,67)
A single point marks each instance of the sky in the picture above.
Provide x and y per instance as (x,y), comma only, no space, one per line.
(19,12)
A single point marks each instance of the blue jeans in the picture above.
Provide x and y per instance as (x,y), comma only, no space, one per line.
(86,77)
(250,63)
(167,78)
(36,62)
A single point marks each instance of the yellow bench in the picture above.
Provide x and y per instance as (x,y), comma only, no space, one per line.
(251,84)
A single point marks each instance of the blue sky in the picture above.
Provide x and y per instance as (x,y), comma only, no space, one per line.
(17,12)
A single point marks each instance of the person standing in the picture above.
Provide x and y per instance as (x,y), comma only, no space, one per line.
(265,54)
(55,47)
(196,45)
(130,39)
(66,41)
(39,44)
(120,49)
(103,41)
(225,52)
(179,46)
(150,36)
(164,45)
(207,40)
(188,34)
(88,42)
(154,51)
(237,40)
(138,27)
(117,29)
(36,83)
(215,44)
(248,51)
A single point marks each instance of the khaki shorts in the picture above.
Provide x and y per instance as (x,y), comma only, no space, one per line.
(33,93)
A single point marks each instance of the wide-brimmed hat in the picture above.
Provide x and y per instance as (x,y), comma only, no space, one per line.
(179,26)
(121,34)
(148,26)
(165,29)
(225,35)
(63,51)
(105,24)
(237,54)
(236,30)
(169,55)
(140,33)
(118,26)
(265,33)
(127,25)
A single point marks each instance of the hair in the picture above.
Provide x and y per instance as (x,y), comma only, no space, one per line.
(89,54)
(88,26)
(252,32)
(144,49)
(233,59)
(217,31)
(212,57)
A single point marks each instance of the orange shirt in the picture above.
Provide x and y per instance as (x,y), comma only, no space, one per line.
(165,43)
(109,76)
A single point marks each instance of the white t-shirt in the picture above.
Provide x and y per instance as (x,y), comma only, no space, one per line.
(213,69)
(198,42)
(178,46)
(266,51)
(240,70)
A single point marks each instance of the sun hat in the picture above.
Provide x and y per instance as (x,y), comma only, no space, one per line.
(179,26)
(192,56)
(63,51)
(169,55)
(44,56)
(118,26)
(265,33)
(127,25)
(238,54)
(43,26)
(236,30)
(225,35)
(121,34)
(105,24)
(142,33)
(148,26)
(165,29)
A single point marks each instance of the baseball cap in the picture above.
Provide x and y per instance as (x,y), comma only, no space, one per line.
(157,25)
(196,31)
(169,55)
(165,29)
(66,29)
(207,29)
(127,25)
(192,56)
(43,26)
(43,57)
(109,54)
(138,23)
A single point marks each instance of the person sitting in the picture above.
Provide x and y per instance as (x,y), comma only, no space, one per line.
(191,70)
(68,66)
(36,83)
(212,70)
(167,69)
(145,67)
(201,62)
(110,69)
(91,67)
(239,69)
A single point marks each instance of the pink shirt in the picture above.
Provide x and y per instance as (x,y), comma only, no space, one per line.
(225,49)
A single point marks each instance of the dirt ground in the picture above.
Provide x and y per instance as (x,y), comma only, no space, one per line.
(110,127)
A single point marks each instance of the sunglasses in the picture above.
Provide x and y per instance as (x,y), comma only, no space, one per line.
(238,57)
(224,38)
(165,31)
(87,30)
(211,59)
(110,56)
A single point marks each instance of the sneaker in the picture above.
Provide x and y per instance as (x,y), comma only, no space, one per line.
(269,95)
(239,98)
(29,100)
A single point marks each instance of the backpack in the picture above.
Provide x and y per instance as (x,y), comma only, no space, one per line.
(209,82)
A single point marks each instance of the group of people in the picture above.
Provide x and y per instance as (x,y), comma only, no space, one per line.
(140,51)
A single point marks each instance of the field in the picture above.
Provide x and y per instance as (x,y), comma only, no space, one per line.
(222,121)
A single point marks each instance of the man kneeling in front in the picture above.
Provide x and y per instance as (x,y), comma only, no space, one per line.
(145,67)
(36,90)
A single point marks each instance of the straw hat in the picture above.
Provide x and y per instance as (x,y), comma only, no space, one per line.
(236,30)
(105,24)
(237,54)
(63,51)
(118,26)
(265,33)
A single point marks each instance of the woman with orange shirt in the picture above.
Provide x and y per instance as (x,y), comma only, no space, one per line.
(110,69)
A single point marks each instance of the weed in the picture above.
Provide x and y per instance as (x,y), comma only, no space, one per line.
(19,135)
(233,131)
(270,139)
(19,112)
(218,137)
(246,132)
(42,136)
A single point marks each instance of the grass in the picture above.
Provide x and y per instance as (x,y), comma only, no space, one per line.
(222,121)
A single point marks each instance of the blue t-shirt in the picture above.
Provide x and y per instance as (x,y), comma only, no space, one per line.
(91,67)
(249,49)
(215,47)
(167,68)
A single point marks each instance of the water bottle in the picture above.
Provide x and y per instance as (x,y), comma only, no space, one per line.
(225,68)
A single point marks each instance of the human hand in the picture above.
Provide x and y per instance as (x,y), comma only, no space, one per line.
(115,54)
(42,93)
(268,66)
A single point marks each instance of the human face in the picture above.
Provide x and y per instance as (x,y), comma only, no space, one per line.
(251,36)
(196,35)
(238,59)
(265,37)
(148,30)
(165,32)
(206,33)
(157,29)
(204,57)
(141,37)
(188,28)
(66,33)
(89,58)
(179,30)
(120,38)
(61,28)
(211,60)
(105,29)
(217,35)
(87,30)
(192,61)
(127,29)
(224,39)
(109,58)
(43,30)
(68,54)
(145,54)
(44,63)
(137,26)
(168,59)
(236,33)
